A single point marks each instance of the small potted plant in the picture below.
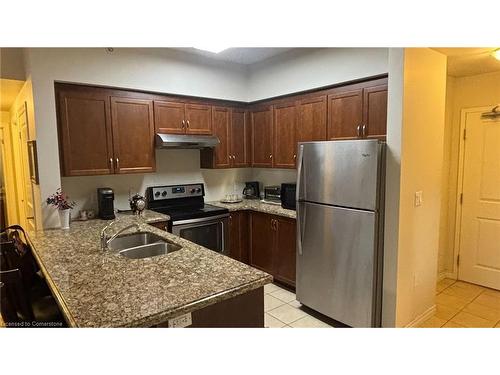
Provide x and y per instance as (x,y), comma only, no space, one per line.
(60,201)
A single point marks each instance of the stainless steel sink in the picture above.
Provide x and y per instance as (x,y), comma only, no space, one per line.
(142,245)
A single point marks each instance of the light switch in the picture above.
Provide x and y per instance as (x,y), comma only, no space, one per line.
(418,198)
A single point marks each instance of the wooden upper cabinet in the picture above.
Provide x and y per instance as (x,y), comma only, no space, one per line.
(345,114)
(311,119)
(285,144)
(262,137)
(375,111)
(221,129)
(198,119)
(133,135)
(86,145)
(240,138)
(169,117)
(284,257)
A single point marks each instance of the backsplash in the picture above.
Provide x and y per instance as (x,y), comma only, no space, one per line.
(173,167)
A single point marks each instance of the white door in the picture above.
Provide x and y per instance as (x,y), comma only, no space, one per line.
(480,224)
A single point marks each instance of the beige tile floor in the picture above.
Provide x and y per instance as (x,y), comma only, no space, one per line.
(282,310)
(464,305)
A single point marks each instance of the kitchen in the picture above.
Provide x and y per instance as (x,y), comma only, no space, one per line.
(245,187)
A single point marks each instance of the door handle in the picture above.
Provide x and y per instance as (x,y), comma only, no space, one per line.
(117,163)
(358,131)
(301,217)
(187,124)
(111,162)
(183,124)
(298,192)
(363,130)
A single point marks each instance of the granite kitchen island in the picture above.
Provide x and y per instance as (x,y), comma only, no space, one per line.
(96,288)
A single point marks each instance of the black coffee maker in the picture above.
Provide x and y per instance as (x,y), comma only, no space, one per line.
(251,190)
(105,199)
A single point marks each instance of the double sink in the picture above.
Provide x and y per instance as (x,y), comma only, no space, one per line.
(142,245)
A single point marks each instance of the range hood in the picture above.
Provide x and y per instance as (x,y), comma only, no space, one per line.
(185,141)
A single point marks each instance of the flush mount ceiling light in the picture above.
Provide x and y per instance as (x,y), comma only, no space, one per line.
(213,49)
(496,54)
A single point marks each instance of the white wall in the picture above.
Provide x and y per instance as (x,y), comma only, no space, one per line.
(163,70)
(420,144)
(464,92)
(309,68)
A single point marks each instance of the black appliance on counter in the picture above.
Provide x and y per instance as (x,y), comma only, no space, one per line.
(105,199)
(251,190)
(190,217)
(288,198)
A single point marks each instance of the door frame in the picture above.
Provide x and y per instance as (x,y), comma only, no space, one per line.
(460,184)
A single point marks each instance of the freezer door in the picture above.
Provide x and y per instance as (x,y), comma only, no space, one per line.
(340,173)
(336,263)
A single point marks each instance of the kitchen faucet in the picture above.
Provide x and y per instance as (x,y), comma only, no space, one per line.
(137,204)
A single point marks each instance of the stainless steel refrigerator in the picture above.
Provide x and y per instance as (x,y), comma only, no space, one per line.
(340,200)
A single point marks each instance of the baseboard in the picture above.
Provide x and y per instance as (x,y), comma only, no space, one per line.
(422,317)
(446,275)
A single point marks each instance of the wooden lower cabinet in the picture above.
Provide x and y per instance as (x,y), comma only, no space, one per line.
(239,236)
(272,246)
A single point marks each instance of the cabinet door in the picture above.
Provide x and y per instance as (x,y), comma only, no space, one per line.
(262,241)
(375,111)
(221,128)
(311,119)
(133,135)
(240,138)
(262,137)
(239,236)
(284,257)
(85,133)
(198,119)
(345,114)
(169,117)
(285,118)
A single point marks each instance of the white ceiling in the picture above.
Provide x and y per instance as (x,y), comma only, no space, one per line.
(9,88)
(470,61)
(244,56)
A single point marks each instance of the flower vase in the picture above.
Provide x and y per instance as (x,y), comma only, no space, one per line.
(64,217)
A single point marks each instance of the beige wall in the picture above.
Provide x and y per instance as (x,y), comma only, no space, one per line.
(415,157)
(464,92)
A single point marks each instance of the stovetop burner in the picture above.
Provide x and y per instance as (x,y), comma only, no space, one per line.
(181,202)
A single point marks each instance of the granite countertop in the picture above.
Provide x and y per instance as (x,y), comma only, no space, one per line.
(257,205)
(104,289)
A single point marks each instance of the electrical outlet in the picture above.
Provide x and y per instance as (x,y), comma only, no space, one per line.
(181,321)
(418,198)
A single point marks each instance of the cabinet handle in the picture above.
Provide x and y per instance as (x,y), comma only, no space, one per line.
(270,156)
(187,124)
(363,130)
(294,156)
(358,131)
(111,162)
(183,124)
(117,163)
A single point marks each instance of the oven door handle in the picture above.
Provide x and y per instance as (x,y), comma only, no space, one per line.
(200,220)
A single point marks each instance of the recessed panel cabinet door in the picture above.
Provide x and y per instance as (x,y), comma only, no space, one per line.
(239,235)
(311,119)
(198,119)
(345,114)
(262,137)
(85,133)
(169,117)
(133,135)
(262,241)
(285,145)
(375,111)
(221,129)
(284,255)
(240,138)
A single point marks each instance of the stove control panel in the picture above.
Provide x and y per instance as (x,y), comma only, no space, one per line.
(177,191)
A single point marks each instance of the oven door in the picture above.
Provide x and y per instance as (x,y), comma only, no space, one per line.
(210,232)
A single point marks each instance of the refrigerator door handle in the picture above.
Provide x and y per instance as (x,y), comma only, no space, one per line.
(300,161)
(301,217)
